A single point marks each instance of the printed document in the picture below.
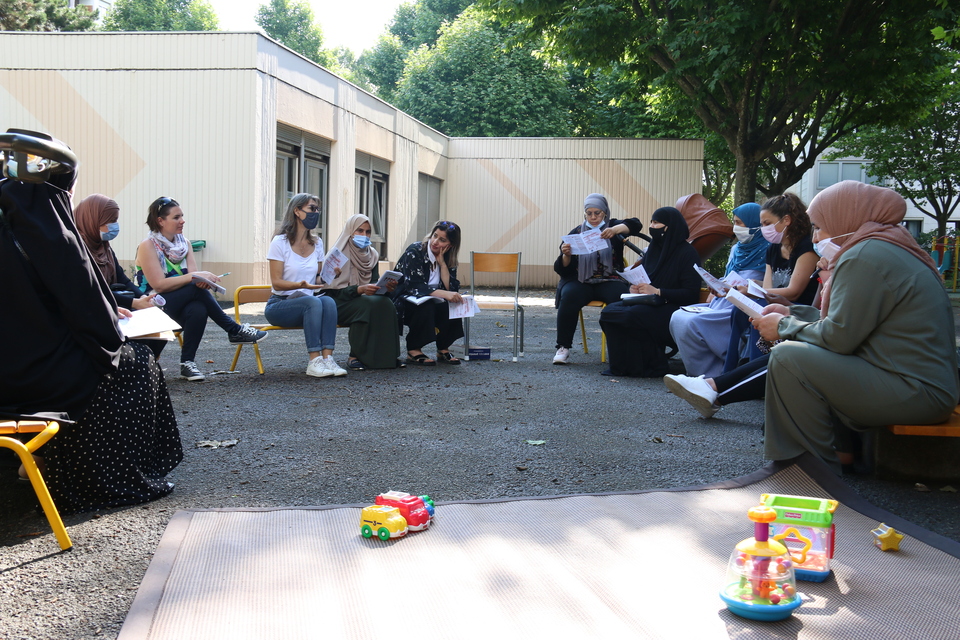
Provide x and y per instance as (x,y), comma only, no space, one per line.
(586,242)
(334,260)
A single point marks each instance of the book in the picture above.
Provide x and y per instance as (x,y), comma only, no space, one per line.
(152,322)
(755,290)
(745,304)
(396,276)
(422,299)
(213,285)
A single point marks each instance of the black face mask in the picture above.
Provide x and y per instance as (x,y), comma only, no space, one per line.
(656,234)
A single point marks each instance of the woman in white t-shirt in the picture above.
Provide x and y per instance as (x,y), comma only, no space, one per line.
(295,258)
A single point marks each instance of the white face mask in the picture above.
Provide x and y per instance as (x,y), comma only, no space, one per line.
(827,248)
(743,233)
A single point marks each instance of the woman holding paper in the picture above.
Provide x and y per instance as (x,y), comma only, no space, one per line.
(372,318)
(430,269)
(702,332)
(590,276)
(165,264)
(296,257)
(881,348)
(638,334)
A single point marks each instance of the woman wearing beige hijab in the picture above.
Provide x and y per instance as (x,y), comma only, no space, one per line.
(881,348)
(374,332)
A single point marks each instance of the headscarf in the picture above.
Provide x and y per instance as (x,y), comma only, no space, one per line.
(868,212)
(750,255)
(587,264)
(360,262)
(703,217)
(662,253)
(93,212)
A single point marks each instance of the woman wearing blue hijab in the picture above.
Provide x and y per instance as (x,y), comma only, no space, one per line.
(702,332)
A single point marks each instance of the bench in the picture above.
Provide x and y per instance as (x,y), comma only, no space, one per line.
(896,453)
(253,293)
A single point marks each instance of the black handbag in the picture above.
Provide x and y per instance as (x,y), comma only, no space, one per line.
(649,299)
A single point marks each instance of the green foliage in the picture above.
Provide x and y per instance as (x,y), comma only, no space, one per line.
(417,23)
(161,15)
(779,82)
(920,157)
(382,66)
(470,84)
(44,15)
(291,23)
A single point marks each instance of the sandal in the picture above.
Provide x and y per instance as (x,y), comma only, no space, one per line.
(447,358)
(421,360)
(356,365)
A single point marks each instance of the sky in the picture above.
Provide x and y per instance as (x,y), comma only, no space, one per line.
(353,24)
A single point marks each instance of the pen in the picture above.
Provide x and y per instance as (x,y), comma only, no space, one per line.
(813,276)
(224,274)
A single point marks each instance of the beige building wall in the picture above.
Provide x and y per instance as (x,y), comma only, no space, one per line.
(194,116)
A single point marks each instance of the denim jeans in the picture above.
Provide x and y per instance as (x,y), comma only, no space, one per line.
(316,314)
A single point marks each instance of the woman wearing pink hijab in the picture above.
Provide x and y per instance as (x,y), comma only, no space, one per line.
(881,348)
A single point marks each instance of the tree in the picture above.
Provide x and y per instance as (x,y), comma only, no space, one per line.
(470,85)
(291,23)
(161,15)
(44,15)
(779,81)
(382,66)
(920,157)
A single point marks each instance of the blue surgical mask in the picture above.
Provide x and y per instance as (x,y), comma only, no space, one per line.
(311,220)
(362,242)
(113,230)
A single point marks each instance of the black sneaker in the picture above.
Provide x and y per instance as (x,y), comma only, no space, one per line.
(247,334)
(190,371)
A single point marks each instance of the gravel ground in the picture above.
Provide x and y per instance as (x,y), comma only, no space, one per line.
(453,432)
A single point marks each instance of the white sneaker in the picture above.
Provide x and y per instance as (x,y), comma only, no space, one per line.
(696,391)
(333,367)
(318,368)
(562,354)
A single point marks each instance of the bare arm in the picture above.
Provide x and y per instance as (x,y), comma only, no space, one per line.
(279,284)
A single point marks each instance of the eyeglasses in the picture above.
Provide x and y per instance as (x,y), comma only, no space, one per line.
(166,202)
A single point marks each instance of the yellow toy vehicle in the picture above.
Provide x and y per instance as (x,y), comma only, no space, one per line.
(383,520)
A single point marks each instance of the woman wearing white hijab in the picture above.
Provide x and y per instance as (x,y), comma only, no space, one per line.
(881,348)
(374,339)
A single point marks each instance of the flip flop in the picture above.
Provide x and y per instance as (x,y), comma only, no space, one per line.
(447,358)
(421,360)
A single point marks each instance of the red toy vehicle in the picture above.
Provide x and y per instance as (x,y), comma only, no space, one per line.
(411,507)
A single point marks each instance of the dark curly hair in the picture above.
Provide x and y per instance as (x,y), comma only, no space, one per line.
(789,204)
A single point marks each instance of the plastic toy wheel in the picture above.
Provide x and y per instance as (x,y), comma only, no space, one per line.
(366,531)
(383,533)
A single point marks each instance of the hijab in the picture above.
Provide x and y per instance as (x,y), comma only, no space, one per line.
(665,251)
(749,255)
(587,264)
(703,217)
(360,262)
(867,212)
(93,212)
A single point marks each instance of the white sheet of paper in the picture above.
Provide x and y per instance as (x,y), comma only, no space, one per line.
(744,303)
(734,279)
(587,242)
(636,275)
(334,260)
(756,290)
(712,281)
(147,321)
(466,309)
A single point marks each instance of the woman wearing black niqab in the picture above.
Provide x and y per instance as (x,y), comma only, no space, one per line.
(639,334)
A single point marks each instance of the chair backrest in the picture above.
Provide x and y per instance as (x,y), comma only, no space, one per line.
(481,262)
(252,293)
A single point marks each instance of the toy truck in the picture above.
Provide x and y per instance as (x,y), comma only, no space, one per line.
(411,507)
(383,520)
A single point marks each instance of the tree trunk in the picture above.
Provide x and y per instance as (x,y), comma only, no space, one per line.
(745,189)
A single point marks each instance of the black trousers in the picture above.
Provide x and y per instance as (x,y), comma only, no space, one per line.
(746,382)
(430,322)
(190,306)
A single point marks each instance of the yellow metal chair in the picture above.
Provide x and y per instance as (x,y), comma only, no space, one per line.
(44,430)
(498,263)
(603,336)
(252,293)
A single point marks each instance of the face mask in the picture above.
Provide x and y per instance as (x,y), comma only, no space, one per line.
(743,233)
(311,220)
(113,230)
(656,234)
(827,248)
(362,242)
(771,234)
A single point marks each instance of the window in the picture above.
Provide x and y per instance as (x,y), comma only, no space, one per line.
(371,194)
(915,227)
(428,203)
(830,173)
(302,166)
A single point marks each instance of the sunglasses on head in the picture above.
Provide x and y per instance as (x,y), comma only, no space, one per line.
(445,225)
(166,202)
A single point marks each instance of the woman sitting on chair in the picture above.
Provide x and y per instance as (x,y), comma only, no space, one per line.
(372,318)
(638,334)
(592,276)
(166,265)
(295,258)
(430,268)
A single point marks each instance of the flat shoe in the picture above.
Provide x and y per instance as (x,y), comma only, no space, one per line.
(447,358)
(356,365)
(421,360)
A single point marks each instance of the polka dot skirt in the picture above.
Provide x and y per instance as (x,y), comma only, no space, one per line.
(123,446)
